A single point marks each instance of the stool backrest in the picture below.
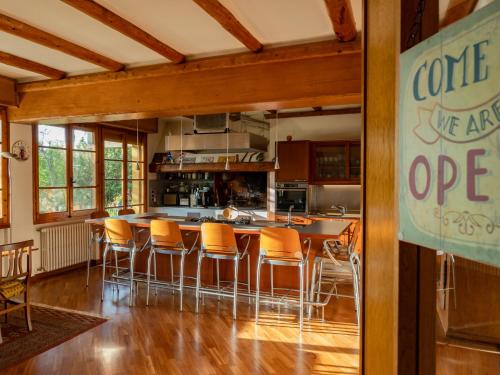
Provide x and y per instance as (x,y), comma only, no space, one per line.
(118,231)
(280,243)
(126,211)
(166,233)
(99,214)
(216,237)
(354,239)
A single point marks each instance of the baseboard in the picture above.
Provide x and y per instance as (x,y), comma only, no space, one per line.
(44,275)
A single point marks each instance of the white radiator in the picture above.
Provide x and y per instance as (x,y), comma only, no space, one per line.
(64,245)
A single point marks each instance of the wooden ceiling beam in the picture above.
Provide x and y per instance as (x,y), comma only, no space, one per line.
(32,66)
(457,9)
(320,112)
(107,17)
(23,30)
(8,96)
(344,25)
(285,77)
(229,22)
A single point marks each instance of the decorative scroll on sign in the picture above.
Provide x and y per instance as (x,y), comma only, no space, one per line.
(450,140)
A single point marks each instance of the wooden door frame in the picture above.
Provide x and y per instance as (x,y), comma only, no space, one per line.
(397,327)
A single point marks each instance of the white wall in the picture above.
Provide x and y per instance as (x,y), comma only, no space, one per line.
(22,195)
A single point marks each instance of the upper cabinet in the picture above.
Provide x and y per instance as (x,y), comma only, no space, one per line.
(336,162)
(294,161)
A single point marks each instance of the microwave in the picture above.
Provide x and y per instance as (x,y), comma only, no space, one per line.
(291,194)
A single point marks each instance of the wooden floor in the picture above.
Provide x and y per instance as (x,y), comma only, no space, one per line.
(160,340)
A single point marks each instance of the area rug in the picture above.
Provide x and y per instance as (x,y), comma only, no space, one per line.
(51,327)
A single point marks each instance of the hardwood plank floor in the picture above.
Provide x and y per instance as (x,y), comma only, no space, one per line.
(160,340)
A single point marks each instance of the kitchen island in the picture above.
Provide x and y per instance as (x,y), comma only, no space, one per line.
(284,277)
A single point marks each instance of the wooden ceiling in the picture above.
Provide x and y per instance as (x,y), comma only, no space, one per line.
(59,38)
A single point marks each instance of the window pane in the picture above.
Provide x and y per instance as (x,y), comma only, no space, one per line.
(53,136)
(113,150)
(84,168)
(113,193)
(133,172)
(84,199)
(113,169)
(52,200)
(51,167)
(134,153)
(83,140)
(134,193)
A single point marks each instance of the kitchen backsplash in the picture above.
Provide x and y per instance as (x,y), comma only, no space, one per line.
(322,197)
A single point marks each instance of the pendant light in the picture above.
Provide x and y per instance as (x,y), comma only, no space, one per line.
(137,166)
(181,157)
(227,167)
(276,161)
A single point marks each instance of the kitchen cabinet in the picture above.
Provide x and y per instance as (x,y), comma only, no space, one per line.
(336,162)
(294,161)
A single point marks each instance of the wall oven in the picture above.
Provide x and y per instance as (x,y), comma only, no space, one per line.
(291,194)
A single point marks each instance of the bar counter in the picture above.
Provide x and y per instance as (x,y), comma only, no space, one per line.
(284,277)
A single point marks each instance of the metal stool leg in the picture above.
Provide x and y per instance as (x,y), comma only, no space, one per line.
(301,287)
(257,290)
(154,267)
(89,257)
(218,277)
(452,259)
(272,281)
(181,281)
(151,254)
(313,283)
(248,279)
(106,249)
(172,271)
(235,301)
(132,260)
(198,282)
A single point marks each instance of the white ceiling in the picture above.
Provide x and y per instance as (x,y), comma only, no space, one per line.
(182,24)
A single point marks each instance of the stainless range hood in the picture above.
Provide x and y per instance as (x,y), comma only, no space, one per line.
(216,143)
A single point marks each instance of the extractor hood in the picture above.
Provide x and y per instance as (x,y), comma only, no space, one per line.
(216,143)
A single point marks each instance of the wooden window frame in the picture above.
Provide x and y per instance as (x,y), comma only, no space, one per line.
(126,137)
(5,191)
(101,132)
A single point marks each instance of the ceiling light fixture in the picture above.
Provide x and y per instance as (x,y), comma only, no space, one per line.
(227,167)
(181,157)
(276,160)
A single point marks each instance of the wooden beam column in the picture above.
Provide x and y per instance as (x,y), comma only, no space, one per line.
(8,96)
(324,73)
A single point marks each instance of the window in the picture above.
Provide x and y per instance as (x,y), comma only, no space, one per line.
(123,173)
(68,162)
(4,172)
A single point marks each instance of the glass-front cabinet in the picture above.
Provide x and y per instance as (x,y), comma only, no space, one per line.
(337,162)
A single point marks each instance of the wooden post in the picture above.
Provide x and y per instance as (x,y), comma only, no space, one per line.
(399,278)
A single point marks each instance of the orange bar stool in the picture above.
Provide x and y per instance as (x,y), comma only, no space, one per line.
(119,238)
(219,242)
(96,238)
(166,238)
(282,247)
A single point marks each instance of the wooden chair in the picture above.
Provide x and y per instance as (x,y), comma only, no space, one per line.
(282,247)
(16,281)
(126,211)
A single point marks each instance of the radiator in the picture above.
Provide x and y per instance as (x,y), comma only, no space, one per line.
(64,245)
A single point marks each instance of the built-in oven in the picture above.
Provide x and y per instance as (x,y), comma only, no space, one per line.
(291,194)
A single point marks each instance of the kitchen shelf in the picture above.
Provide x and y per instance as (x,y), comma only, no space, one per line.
(265,166)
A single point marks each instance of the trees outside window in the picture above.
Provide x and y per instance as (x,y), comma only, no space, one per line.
(69,179)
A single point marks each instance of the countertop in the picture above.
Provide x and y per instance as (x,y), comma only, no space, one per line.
(319,229)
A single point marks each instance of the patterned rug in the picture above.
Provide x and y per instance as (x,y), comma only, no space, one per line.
(51,327)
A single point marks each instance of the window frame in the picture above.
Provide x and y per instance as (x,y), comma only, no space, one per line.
(101,132)
(125,137)
(5,190)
